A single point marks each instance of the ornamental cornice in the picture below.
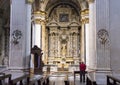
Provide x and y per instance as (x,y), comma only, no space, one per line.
(39,21)
(85,12)
(43,13)
(39,16)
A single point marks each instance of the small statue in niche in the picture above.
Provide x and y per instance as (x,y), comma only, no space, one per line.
(64,39)
(64,49)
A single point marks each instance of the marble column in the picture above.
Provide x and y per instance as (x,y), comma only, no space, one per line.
(85,20)
(36,34)
(28,34)
(43,41)
(84,40)
(92,37)
(91,41)
(20,34)
(82,43)
(39,17)
(99,52)
(82,49)
(87,43)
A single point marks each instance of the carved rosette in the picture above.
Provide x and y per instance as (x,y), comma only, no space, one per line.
(103,36)
(17,34)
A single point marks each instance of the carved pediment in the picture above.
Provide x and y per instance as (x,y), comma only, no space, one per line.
(74,24)
(52,24)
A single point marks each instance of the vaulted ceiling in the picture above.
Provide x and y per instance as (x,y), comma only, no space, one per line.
(53,2)
(46,5)
(49,5)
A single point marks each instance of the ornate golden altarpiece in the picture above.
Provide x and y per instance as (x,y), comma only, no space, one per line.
(63,37)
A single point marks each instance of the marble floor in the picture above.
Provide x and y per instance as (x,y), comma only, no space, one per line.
(58,79)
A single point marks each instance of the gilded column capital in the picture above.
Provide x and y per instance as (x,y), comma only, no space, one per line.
(39,21)
(85,16)
(85,20)
(84,12)
(29,1)
(40,12)
(39,16)
(43,22)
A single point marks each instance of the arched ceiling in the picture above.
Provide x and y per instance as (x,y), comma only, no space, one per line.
(45,5)
(50,7)
(77,5)
(53,2)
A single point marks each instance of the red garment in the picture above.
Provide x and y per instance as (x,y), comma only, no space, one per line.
(82,67)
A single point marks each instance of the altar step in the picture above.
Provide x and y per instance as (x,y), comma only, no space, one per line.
(62,69)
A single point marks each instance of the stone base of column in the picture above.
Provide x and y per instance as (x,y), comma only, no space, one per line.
(101,75)
(19,69)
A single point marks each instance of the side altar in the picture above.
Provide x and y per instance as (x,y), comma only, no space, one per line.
(63,38)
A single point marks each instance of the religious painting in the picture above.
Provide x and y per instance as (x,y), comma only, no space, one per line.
(63,17)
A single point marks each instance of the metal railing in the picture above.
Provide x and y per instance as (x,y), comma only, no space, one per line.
(112,80)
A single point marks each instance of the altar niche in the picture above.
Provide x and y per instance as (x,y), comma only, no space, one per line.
(63,46)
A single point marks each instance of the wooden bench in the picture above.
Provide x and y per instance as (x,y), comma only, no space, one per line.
(20,80)
(33,81)
(112,80)
(44,80)
(4,76)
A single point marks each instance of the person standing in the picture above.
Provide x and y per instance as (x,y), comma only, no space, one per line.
(82,67)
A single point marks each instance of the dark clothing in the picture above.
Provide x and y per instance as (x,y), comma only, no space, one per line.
(82,76)
(82,72)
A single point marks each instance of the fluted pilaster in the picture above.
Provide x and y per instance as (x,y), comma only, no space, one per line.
(20,29)
(102,25)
